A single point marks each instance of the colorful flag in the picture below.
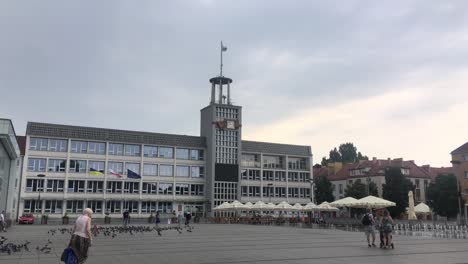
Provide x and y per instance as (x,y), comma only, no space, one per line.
(95,172)
(111,171)
(223,48)
(133,175)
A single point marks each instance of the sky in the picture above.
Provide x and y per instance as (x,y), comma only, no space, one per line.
(389,76)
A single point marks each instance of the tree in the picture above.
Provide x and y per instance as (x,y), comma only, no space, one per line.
(356,190)
(317,166)
(361,157)
(323,190)
(324,161)
(348,152)
(373,189)
(396,189)
(443,195)
(335,156)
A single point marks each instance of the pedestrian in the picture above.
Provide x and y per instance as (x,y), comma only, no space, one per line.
(188,218)
(387,226)
(126,218)
(180,218)
(158,219)
(81,236)
(2,221)
(369,230)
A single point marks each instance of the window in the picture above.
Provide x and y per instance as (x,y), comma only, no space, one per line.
(268,175)
(197,172)
(166,153)
(150,151)
(74,207)
(182,154)
(116,149)
(32,206)
(273,162)
(196,154)
(465,157)
(95,187)
(116,167)
(55,185)
(37,165)
(114,187)
(132,150)
(113,207)
(244,191)
(56,165)
(58,145)
(97,165)
(297,163)
(196,189)
(78,166)
(148,207)
(34,185)
(135,167)
(79,146)
(165,188)
(466,174)
(150,188)
(166,170)
(254,191)
(131,187)
(39,144)
(97,148)
(182,189)
(96,206)
(340,186)
(76,186)
(130,206)
(150,169)
(165,207)
(280,176)
(53,207)
(182,171)
(268,191)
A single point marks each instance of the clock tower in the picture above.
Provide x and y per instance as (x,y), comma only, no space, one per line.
(221,127)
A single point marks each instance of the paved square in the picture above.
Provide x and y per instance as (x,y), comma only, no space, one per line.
(213,244)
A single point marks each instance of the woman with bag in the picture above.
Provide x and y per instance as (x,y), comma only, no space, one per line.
(387,226)
(81,236)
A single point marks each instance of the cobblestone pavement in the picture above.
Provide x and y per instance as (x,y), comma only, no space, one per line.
(229,244)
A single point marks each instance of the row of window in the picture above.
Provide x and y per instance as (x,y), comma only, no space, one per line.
(77,206)
(254,191)
(90,147)
(274,162)
(224,191)
(81,186)
(254,175)
(83,166)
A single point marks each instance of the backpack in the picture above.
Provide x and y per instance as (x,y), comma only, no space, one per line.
(366,220)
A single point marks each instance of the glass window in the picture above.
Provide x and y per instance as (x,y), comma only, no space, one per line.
(75,207)
(55,185)
(116,167)
(114,187)
(113,207)
(95,187)
(466,174)
(79,146)
(57,165)
(182,171)
(167,153)
(96,206)
(76,186)
(166,170)
(36,165)
(77,166)
(165,188)
(32,206)
(39,144)
(466,157)
(196,189)
(130,206)
(150,151)
(165,207)
(150,169)
(53,206)
(182,154)
(97,148)
(197,172)
(148,207)
(97,165)
(116,149)
(132,150)
(182,189)
(34,185)
(131,187)
(58,145)
(135,167)
(150,188)
(196,154)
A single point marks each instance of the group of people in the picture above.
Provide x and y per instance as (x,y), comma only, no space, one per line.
(383,222)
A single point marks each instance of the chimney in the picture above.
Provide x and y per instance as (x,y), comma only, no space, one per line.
(334,167)
(374,158)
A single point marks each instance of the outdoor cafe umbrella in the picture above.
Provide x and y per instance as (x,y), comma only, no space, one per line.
(247,206)
(422,208)
(310,207)
(222,207)
(343,202)
(371,202)
(326,207)
(297,207)
(283,206)
(236,206)
(258,206)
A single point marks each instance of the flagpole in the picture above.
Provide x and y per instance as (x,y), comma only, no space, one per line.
(221,66)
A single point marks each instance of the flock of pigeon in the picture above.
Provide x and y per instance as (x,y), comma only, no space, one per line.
(107,231)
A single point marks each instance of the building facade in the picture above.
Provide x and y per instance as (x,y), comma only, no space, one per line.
(68,168)
(460,169)
(9,169)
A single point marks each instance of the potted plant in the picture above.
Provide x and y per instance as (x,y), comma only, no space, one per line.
(44,219)
(65,219)
(151,218)
(107,218)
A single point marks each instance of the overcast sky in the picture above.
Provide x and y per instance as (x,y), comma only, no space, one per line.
(389,76)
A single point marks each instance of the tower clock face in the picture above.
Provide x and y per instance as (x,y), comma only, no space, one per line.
(231,124)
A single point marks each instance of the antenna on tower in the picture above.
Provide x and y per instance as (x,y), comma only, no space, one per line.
(223,49)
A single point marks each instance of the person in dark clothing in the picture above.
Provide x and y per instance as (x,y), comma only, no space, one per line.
(126,218)
(158,219)
(188,217)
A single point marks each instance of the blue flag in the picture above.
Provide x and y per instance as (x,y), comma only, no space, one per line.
(133,175)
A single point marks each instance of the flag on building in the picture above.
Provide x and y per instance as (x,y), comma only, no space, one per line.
(223,48)
(111,171)
(95,172)
(132,175)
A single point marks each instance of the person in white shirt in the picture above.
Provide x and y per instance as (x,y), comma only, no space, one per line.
(81,236)
(2,221)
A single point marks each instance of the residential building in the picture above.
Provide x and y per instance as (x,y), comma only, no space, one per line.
(460,169)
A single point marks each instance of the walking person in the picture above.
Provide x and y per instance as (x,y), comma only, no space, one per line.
(158,219)
(180,218)
(369,230)
(126,218)
(2,221)
(387,226)
(188,218)
(81,236)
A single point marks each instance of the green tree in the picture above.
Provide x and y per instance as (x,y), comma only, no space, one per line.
(396,189)
(323,190)
(324,161)
(443,195)
(361,157)
(356,190)
(335,156)
(373,189)
(348,152)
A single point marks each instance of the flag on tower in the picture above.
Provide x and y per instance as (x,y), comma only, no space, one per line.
(111,171)
(95,172)
(223,48)
(132,175)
